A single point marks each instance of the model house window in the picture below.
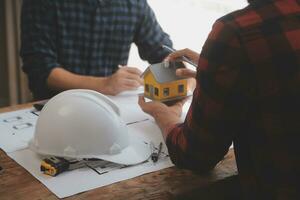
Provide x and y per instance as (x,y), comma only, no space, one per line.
(147,88)
(156,91)
(166,92)
(180,88)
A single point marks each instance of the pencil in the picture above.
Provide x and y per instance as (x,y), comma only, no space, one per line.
(182,57)
(156,155)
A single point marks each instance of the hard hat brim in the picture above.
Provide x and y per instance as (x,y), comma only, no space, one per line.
(87,125)
(135,153)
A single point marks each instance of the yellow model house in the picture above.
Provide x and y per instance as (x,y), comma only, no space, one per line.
(161,82)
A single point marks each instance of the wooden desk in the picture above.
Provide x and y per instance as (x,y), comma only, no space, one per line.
(171,183)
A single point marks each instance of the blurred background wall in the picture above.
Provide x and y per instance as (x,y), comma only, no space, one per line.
(3,70)
(13,83)
(187,21)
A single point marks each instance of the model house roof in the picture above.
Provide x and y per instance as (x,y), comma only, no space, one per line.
(165,72)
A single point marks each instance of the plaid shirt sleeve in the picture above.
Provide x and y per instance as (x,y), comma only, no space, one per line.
(209,128)
(150,36)
(38,48)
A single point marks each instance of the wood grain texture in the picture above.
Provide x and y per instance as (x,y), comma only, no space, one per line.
(167,184)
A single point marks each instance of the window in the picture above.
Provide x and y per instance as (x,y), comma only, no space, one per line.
(147,88)
(156,91)
(166,92)
(180,88)
(214,9)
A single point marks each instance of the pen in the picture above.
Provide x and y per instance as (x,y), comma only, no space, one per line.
(182,57)
(39,106)
(155,156)
(129,123)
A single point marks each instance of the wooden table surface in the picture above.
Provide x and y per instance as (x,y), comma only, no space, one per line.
(166,184)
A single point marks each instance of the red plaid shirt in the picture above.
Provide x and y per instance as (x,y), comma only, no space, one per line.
(248,93)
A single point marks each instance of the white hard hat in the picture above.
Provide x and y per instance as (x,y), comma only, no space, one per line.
(86,124)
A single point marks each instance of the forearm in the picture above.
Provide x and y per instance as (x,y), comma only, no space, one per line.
(60,79)
(166,121)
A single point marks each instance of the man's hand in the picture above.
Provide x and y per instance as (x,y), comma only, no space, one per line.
(126,78)
(185,72)
(190,75)
(165,116)
(192,55)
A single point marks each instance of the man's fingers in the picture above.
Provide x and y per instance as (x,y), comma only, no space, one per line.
(186,73)
(130,84)
(183,101)
(132,70)
(173,56)
(193,56)
(141,101)
(177,54)
(134,77)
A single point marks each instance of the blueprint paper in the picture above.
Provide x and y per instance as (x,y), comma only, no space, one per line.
(16,129)
(62,185)
(140,126)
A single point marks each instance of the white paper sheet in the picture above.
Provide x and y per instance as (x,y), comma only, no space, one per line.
(16,129)
(131,111)
(62,186)
(128,104)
